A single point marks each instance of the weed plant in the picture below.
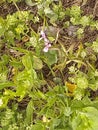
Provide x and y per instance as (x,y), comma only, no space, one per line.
(35,92)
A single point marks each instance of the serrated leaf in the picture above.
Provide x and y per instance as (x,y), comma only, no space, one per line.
(75,11)
(85,21)
(82,82)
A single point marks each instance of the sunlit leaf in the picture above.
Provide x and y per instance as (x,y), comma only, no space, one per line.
(6,84)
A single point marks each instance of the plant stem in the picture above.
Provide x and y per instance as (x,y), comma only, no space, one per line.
(16,6)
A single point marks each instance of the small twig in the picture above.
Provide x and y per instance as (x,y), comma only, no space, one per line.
(16,6)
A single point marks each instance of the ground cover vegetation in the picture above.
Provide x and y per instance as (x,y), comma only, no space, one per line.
(48,65)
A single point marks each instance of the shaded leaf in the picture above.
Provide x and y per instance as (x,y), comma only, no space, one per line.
(51,57)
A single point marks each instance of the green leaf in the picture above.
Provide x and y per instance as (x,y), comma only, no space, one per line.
(16,63)
(82,82)
(95,46)
(87,119)
(85,21)
(96,24)
(75,11)
(92,115)
(11,20)
(83,54)
(77,104)
(79,93)
(6,84)
(37,63)
(10,37)
(3,77)
(67,111)
(5,59)
(47,10)
(20,29)
(27,61)
(21,91)
(26,75)
(29,112)
(51,57)
(33,41)
(38,126)
(51,39)
(41,95)
(2,26)
(80,32)
(30,3)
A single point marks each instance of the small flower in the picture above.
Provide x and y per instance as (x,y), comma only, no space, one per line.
(46,41)
(43,34)
(46,48)
(1,102)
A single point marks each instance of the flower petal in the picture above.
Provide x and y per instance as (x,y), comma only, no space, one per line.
(49,45)
(43,34)
(46,49)
(46,40)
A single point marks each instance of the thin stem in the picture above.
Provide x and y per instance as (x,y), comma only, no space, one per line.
(16,6)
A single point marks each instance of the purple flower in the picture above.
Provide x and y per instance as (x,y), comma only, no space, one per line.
(46,48)
(46,41)
(43,34)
